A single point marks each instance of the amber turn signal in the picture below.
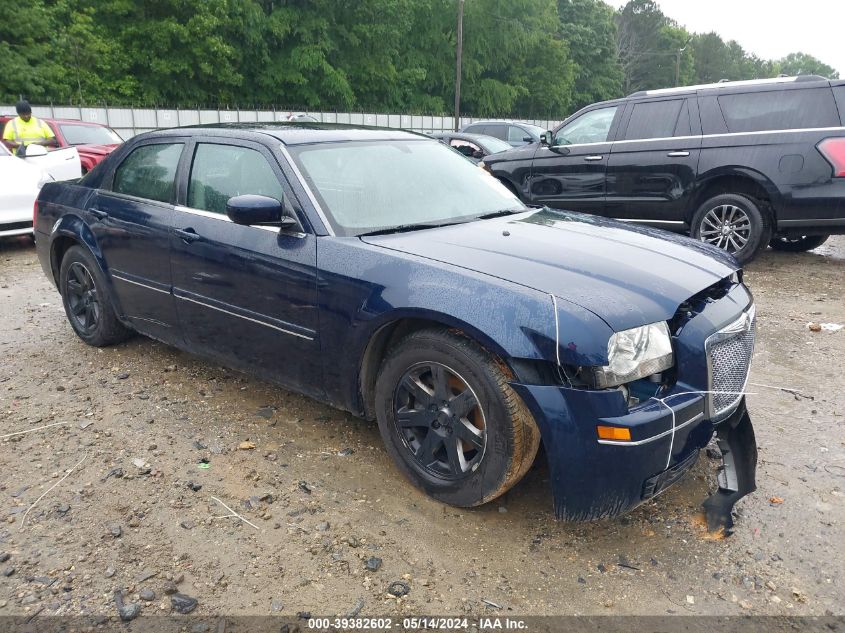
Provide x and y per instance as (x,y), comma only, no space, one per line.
(620,434)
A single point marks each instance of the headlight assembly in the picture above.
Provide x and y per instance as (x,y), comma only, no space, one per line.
(634,354)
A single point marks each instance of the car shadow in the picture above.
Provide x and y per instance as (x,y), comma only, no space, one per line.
(16,243)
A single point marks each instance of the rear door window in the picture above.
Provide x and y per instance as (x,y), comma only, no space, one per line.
(654,119)
(839,95)
(779,110)
(221,172)
(684,126)
(497,131)
(149,172)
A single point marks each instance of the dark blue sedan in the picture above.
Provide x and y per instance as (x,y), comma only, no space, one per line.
(381,272)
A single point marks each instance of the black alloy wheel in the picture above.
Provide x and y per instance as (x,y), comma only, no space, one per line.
(87,299)
(83,300)
(450,419)
(440,420)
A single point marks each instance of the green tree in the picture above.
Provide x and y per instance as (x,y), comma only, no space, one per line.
(588,27)
(804,64)
(28,66)
(648,44)
(515,60)
(716,59)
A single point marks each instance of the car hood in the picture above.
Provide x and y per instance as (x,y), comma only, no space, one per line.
(97,150)
(16,175)
(626,275)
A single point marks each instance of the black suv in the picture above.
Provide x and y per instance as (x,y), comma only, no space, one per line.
(738,164)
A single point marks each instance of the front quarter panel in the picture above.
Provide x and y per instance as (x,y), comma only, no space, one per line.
(363,287)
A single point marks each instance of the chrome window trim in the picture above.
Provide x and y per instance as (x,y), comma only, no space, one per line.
(203,213)
(241,316)
(704,136)
(323,218)
(674,429)
(733,329)
(223,218)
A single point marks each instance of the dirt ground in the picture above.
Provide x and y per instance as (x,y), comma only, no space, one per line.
(323,499)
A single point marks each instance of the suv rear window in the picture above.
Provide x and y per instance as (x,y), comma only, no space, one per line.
(654,119)
(779,110)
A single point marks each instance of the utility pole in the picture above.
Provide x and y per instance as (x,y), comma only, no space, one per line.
(459,59)
(678,62)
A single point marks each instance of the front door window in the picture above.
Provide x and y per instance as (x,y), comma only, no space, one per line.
(591,127)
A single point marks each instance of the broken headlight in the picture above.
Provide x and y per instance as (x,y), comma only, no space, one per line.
(634,354)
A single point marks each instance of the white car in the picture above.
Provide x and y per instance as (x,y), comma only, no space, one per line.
(21,180)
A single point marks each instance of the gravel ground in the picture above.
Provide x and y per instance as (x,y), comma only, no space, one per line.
(331,521)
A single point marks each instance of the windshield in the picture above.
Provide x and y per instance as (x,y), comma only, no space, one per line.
(377,185)
(534,130)
(89,135)
(494,145)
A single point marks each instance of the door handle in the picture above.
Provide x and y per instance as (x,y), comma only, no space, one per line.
(187,235)
(681,154)
(98,213)
(592,158)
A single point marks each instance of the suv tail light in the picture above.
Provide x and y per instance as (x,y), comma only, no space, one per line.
(833,149)
(34,213)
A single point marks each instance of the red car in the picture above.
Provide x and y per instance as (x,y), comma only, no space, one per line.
(93,141)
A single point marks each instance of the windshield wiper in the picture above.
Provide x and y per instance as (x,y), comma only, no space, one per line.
(405,228)
(499,214)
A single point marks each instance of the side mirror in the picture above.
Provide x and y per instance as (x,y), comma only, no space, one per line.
(547,138)
(528,139)
(33,150)
(253,210)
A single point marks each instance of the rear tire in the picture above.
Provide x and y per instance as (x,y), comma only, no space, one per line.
(87,299)
(797,244)
(450,421)
(735,223)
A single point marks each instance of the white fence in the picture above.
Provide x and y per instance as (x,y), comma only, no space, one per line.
(131,121)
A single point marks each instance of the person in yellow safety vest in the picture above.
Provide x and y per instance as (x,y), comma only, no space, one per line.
(26,129)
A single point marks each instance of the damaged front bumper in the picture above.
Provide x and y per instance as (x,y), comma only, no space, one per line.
(595,479)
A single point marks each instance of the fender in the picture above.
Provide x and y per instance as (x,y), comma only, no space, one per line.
(732,171)
(405,286)
(74,227)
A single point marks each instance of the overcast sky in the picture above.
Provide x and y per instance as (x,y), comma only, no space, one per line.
(771,29)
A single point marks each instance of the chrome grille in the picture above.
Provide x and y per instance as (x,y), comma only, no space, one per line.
(729,353)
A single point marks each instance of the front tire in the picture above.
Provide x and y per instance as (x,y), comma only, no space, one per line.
(450,421)
(733,222)
(797,244)
(87,300)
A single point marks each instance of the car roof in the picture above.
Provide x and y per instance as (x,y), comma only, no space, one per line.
(52,120)
(722,85)
(296,132)
(469,136)
(508,121)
